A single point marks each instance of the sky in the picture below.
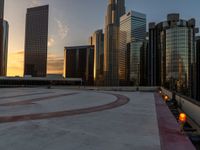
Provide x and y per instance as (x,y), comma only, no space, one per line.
(71,22)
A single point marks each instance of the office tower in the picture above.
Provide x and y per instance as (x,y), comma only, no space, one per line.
(144,61)
(36,41)
(79,63)
(172,49)
(198,68)
(98,42)
(1,9)
(154,54)
(3,39)
(116,8)
(132,36)
(4,50)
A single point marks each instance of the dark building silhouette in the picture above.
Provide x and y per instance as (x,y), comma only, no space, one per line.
(198,68)
(1,9)
(154,54)
(79,63)
(4,27)
(144,62)
(3,41)
(36,41)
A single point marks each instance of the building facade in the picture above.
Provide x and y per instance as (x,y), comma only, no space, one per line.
(79,63)
(198,68)
(3,41)
(132,36)
(116,8)
(4,47)
(144,62)
(97,41)
(1,9)
(172,52)
(36,41)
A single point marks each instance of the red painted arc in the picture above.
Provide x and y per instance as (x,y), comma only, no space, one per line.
(120,101)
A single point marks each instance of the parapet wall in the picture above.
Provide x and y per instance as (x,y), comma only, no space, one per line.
(187,105)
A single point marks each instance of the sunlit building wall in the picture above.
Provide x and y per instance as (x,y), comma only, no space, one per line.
(132,34)
(36,41)
(79,63)
(115,9)
(98,42)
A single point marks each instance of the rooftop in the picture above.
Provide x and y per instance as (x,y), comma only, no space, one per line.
(77,119)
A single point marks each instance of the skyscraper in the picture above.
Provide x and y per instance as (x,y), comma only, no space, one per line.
(172,45)
(79,63)
(1,9)
(3,41)
(132,36)
(116,8)
(198,68)
(154,54)
(98,42)
(36,41)
(4,47)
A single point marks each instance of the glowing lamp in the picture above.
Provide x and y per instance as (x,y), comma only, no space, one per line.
(166,97)
(182,117)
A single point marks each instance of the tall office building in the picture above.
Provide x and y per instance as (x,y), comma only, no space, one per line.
(1,9)
(36,41)
(79,63)
(116,8)
(154,54)
(198,68)
(172,49)
(144,61)
(3,41)
(4,47)
(98,41)
(132,36)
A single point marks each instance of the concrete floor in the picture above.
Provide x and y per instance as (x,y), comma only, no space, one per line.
(132,126)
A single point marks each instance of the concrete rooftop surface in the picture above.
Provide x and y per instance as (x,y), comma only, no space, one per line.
(74,119)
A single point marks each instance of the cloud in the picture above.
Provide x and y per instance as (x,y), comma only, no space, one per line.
(51,41)
(35,3)
(63,29)
(55,64)
(16,63)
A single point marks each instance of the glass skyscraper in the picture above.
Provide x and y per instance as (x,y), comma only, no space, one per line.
(172,44)
(132,36)
(36,41)
(116,8)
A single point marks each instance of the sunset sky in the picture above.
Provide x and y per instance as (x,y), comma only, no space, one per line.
(71,22)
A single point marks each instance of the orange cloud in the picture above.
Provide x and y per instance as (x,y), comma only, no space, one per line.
(16,64)
(55,64)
